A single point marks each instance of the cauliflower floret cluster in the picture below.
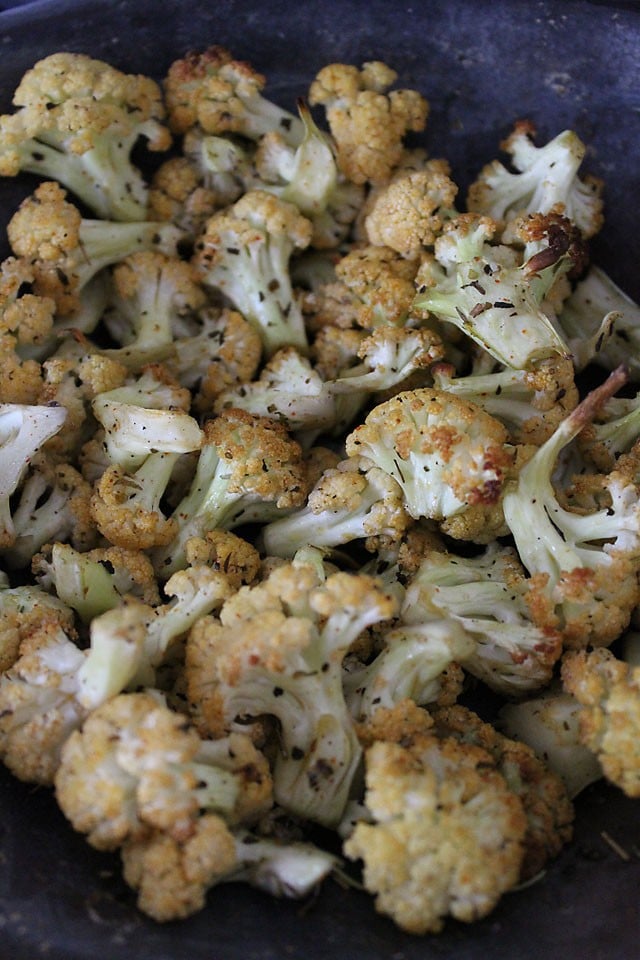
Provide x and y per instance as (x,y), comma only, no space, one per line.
(296,461)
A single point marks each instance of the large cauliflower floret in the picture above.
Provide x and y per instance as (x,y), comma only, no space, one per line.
(78,122)
(222,95)
(608,692)
(446,832)
(276,651)
(137,764)
(544,797)
(449,457)
(367,122)
(409,213)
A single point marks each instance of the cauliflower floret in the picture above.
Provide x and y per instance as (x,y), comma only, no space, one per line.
(276,651)
(66,251)
(446,836)
(39,707)
(249,470)
(367,122)
(172,875)
(374,286)
(450,458)
(137,764)
(224,551)
(608,691)
(22,611)
(79,121)
(408,213)
(222,95)
(244,253)
(544,797)
(546,179)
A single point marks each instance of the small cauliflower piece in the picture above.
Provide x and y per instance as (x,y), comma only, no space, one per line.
(172,876)
(487,597)
(227,553)
(24,429)
(39,707)
(450,458)
(249,470)
(153,298)
(608,693)
(485,290)
(409,212)
(355,500)
(446,833)
(95,580)
(22,610)
(531,403)
(374,287)
(367,120)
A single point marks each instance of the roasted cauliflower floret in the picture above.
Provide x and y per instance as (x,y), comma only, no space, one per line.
(446,833)
(367,121)
(608,692)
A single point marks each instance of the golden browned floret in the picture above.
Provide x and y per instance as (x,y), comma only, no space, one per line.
(336,350)
(89,96)
(544,797)
(367,120)
(212,90)
(136,765)
(38,703)
(23,610)
(225,551)
(446,837)
(449,456)
(172,875)
(608,691)
(20,380)
(408,213)
(65,251)
(178,195)
(375,286)
(124,521)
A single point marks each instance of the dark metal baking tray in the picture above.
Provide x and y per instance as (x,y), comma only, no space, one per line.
(482,65)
